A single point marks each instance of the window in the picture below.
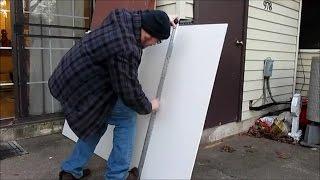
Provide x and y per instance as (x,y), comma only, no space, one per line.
(50,29)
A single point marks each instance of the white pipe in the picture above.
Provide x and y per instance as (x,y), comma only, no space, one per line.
(297,52)
(295,112)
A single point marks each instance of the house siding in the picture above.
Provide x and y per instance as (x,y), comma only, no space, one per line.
(271,34)
(181,8)
(303,70)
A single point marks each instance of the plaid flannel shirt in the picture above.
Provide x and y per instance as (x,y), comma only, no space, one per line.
(99,69)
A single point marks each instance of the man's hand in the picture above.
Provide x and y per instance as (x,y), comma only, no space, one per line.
(174,20)
(155,104)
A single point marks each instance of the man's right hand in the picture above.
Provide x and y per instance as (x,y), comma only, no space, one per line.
(155,104)
(174,20)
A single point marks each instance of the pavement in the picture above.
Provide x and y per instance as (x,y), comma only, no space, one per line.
(237,157)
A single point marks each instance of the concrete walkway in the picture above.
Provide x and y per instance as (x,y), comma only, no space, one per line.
(238,157)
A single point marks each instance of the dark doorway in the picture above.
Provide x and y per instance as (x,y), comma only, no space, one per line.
(309,33)
(226,99)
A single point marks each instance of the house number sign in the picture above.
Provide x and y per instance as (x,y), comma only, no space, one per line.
(267,5)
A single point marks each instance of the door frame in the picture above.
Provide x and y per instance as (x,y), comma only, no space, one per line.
(243,57)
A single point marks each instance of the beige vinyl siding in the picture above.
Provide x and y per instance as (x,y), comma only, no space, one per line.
(271,34)
(181,8)
(289,4)
(303,70)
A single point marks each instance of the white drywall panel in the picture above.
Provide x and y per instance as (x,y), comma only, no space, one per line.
(184,102)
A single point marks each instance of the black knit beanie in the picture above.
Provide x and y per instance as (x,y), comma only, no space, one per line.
(156,23)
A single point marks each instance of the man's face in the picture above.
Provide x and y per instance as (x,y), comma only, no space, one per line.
(147,39)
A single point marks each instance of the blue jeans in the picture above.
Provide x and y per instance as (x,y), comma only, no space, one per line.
(124,120)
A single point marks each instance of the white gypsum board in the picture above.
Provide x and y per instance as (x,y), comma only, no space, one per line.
(66,131)
(185,99)
(149,76)
(158,95)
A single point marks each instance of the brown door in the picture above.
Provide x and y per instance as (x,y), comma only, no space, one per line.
(226,99)
(103,7)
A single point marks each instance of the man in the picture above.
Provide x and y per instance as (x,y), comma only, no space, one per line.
(96,84)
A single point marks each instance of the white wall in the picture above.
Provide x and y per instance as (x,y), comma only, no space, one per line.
(182,8)
(303,70)
(270,34)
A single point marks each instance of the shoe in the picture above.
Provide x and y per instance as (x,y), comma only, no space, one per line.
(68,176)
(133,174)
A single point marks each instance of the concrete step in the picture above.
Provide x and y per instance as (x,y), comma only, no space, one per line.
(29,130)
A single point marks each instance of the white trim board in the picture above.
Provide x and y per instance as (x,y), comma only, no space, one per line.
(185,98)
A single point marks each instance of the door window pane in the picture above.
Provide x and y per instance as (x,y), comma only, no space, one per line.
(39,66)
(7,102)
(7,98)
(40,100)
(49,21)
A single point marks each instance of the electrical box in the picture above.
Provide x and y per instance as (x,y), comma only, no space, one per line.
(268,66)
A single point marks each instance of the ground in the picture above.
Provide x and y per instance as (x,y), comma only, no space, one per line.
(238,157)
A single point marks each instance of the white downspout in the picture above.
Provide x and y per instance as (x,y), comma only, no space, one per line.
(297,52)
